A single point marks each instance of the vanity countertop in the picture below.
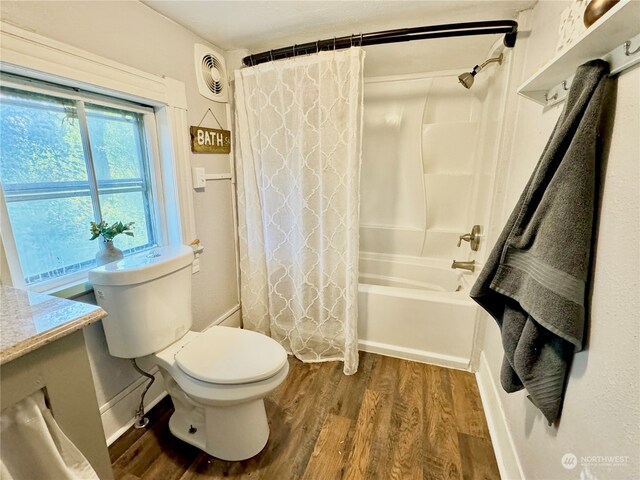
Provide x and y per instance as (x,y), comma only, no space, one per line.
(30,320)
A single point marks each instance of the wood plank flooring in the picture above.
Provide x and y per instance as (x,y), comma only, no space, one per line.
(394,419)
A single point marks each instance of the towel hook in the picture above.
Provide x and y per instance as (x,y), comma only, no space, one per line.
(553,97)
(627,49)
(564,85)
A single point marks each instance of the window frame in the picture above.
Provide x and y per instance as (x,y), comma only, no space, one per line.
(29,54)
(152,167)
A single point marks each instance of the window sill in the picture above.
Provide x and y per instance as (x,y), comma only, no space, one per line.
(71,290)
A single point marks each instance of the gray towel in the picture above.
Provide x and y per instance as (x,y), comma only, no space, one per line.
(535,278)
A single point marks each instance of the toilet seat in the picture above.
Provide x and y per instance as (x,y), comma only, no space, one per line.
(209,393)
(231,356)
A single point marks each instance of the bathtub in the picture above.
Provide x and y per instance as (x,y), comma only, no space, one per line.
(417,309)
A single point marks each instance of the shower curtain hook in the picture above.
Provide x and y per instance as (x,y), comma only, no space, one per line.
(564,85)
(317,46)
(294,49)
(351,40)
(334,44)
(271,55)
(360,38)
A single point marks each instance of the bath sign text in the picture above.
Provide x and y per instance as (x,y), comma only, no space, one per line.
(210,140)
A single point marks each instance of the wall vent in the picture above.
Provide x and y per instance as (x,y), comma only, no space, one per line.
(211,73)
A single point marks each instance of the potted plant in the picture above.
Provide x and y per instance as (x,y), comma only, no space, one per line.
(108,252)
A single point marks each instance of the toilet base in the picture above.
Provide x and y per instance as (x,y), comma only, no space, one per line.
(234,432)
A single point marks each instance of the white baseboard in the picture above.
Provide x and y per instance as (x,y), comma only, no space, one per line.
(228,318)
(449,361)
(119,413)
(503,445)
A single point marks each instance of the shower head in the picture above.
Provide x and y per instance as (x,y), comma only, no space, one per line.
(466,78)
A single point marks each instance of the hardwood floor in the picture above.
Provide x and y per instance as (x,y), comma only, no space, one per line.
(394,419)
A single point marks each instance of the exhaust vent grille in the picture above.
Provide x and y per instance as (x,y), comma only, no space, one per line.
(211,73)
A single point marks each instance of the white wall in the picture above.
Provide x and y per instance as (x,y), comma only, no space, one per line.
(601,410)
(133,34)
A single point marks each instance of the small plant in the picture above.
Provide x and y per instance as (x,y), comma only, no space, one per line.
(108,233)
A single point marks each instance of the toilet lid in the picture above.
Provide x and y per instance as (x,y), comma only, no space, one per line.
(229,355)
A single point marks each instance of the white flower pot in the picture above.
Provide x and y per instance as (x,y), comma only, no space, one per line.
(108,253)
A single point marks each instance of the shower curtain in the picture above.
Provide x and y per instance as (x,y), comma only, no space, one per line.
(298,155)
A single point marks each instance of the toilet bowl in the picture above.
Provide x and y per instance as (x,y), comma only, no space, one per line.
(217,379)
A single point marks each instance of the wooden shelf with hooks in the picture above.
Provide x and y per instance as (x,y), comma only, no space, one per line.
(604,39)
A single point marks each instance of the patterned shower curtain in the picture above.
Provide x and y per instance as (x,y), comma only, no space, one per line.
(298,155)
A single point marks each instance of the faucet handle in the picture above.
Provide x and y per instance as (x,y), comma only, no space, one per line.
(473,238)
(466,237)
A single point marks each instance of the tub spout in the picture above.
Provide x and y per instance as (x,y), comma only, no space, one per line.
(471,266)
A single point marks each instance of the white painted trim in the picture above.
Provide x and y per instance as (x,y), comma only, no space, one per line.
(174,156)
(503,444)
(224,316)
(9,248)
(159,211)
(421,356)
(118,433)
(115,435)
(218,176)
(479,328)
(27,53)
(118,414)
(176,93)
(127,391)
(234,201)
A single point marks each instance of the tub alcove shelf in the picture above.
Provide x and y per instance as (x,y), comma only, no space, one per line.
(604,39)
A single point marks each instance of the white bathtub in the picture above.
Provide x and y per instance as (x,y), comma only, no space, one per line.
(415,308)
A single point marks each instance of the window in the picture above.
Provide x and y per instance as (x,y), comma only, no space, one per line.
(66,159)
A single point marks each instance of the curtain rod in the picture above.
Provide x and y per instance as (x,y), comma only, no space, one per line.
(508,27)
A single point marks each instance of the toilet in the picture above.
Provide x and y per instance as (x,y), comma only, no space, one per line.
(217,379)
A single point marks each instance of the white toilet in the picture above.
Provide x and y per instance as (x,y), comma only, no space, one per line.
(217,379)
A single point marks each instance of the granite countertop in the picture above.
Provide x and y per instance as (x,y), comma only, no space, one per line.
(31,320)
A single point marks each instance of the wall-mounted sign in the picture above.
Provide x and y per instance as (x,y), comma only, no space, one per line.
(210,140)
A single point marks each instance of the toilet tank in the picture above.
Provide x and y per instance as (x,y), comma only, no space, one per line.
(148,298)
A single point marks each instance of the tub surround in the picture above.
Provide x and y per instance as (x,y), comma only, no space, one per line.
(31,320)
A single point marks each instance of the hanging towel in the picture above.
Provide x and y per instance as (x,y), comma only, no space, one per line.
(34,447)
(535,278)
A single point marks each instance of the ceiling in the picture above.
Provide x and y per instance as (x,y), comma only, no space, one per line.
(263,25)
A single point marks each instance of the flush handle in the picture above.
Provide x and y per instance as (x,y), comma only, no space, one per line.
(473,238)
